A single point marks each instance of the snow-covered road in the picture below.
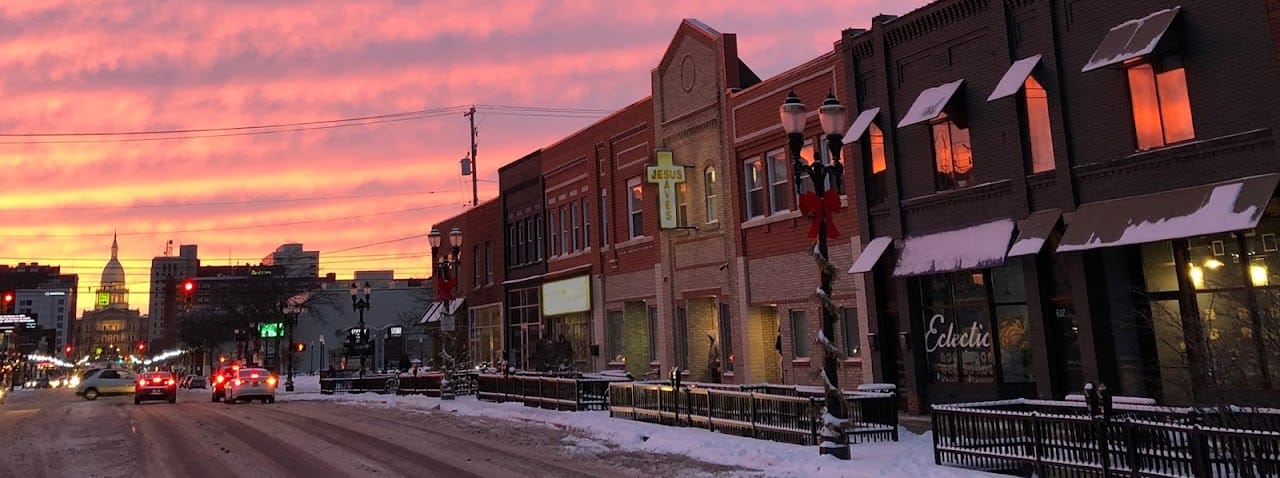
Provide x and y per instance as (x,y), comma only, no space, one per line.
(53,433)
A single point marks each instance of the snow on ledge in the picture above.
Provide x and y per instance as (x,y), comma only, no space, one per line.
(974,247)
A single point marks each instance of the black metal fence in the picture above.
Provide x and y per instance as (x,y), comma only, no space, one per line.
(784,414)
(464,383)
(1050,438)
(558,393)
(335,383)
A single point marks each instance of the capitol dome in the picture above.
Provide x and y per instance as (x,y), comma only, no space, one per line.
(113,274)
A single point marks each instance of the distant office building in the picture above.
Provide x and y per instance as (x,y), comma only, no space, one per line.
(167,272)
(52,307)
(296,262)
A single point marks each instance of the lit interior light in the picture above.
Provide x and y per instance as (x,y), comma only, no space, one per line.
(1259,275)
(1213,264)
(1197,277)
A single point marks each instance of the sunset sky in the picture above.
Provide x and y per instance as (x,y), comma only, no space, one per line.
(91,66)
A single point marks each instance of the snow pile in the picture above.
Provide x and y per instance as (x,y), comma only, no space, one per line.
(595,432)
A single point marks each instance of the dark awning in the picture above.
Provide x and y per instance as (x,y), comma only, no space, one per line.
(1015,77)
(974,247)
(437,309)
(930,103)
(859,126)
(1131,39)
(871,255)
(1194,211)
(1033,231)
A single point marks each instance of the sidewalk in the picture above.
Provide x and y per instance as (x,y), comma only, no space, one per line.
(910,457)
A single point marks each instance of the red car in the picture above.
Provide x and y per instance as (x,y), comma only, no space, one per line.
(155,386)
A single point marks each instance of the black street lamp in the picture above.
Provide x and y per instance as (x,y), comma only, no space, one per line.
(360,305)
(291,310)
(447,268)
(821,203)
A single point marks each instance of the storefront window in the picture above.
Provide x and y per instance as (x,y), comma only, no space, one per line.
(1009,291)
(486,335)
(957,332)
(1218,273)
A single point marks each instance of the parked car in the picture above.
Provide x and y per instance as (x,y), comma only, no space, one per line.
(196,381)
(155,386)
(252,384)
(3,391)
(105,382)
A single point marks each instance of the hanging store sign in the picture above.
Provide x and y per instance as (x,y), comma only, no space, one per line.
(566,296)
(666,176)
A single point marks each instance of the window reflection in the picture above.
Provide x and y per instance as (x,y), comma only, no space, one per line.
(952,154)
(1161,105)
(1038,133)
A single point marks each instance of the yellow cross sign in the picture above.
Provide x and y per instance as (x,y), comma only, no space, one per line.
(666,176)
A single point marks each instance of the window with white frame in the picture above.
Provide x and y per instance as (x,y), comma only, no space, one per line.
(753,180)
(635,207)
(799,334)
(604,217)
(586,223)
(709,193)
(564,230)
(682,205)
(553,225)
(1161,104)
(779,177)
(573,225)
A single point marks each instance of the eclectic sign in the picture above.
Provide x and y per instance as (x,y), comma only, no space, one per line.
(960,348)
(666,176)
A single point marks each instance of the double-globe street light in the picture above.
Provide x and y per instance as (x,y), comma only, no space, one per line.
(292,308)
(360,339)
(446,268)
(820,204)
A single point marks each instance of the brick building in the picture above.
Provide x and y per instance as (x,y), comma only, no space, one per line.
(1054,193)
(521,194)
(779,271)
(477,295)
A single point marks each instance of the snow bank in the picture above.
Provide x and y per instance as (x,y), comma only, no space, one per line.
(910,457)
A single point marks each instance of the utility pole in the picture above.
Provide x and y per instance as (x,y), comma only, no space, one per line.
(475,189)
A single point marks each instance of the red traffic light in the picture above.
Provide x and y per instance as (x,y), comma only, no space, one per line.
(67,350)
(8,297)
(142,346)
(299,347)
(188,286)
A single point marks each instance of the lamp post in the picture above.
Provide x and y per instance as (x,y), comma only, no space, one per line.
(360,305)
(821,203)
(446,269)
(292,308)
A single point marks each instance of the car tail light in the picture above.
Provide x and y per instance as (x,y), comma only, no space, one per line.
(253,375)
(238,382)
(221,379)
(170,382)
(271,380)
(142,383)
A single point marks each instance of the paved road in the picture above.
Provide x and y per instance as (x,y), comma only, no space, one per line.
(52,433)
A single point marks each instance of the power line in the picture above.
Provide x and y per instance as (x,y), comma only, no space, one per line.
(229,203)
(236,228)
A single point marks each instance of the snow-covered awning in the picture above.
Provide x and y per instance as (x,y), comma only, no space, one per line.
(930,103)
(1131,39)
(1194,211)
(871,255)
(859,126)
(974,247)
(437,309)
(1033,231)
(1015,77)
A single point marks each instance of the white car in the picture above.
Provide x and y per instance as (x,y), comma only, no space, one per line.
(106,382)
(251,384)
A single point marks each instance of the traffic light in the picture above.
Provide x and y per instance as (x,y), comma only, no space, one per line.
(67,350)
(8,301)
(188,287)
(299,346)
(142,347)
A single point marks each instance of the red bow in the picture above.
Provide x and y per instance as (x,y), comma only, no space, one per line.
(445,287)
(820,210)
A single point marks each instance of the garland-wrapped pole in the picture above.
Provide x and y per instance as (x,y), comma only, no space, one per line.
(820,205)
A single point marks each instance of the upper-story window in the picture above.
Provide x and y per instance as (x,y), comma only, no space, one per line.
(475,266)
(779,177)
(586,223)
(604,217)
(682,205)
(537,224)
(753,181)
(553,225)
(564,231)
(709,193)
(1161,105)
(576,237)
(1039,137)
(952,154)
(488,262)
(635,208)
(878,185)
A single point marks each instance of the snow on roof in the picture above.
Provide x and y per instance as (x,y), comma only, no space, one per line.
(930,103)
(1187,212)
(974,247)
(1131,39)
(1015,77)
(859,126)
(871,254)
(1033,231)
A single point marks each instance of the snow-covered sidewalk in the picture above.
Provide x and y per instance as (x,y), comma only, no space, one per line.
(912,456)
